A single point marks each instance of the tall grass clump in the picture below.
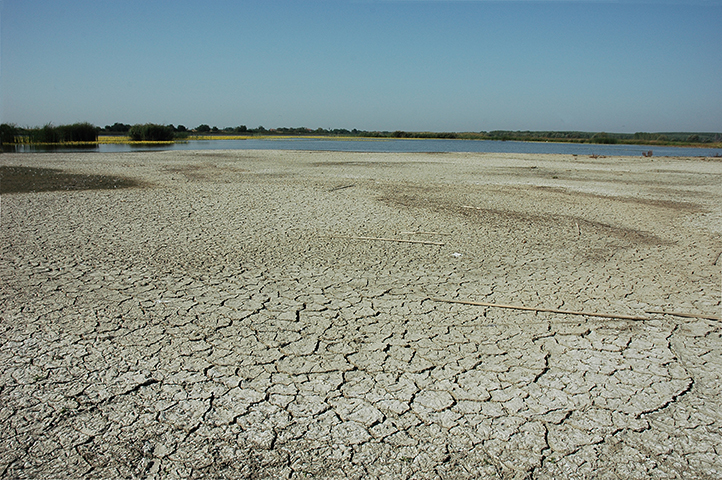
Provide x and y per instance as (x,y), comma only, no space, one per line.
(45,134)
(151,132)
(77,132)
(8,132)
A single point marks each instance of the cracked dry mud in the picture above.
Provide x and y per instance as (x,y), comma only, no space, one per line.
(209,322)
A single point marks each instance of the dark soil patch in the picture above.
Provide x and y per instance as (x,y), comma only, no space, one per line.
(31,179)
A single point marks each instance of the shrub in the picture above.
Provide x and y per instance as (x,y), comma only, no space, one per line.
(8,132)
(644,136)
(603,138)
(151,132)
(117,127)
(77,132)
(45,134)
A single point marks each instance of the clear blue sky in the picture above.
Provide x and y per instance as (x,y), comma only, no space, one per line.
(616,66)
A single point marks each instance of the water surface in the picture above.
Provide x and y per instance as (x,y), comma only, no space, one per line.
(391,145)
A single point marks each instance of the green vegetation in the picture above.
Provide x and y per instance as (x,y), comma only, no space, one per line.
(151,132)
(8,133)
(117,128)
(678,139)
(402,134)
(639,138)
(77,132)
(603,137)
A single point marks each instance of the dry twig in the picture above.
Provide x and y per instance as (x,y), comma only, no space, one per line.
(571,312)
(535,309)
(424,233)
(341,187)
(686,315)
(424,242)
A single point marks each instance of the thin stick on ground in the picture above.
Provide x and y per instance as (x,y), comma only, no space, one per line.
(539,309)
(686,315)
(571,312)
(423,233)
(424,242)
(341,187)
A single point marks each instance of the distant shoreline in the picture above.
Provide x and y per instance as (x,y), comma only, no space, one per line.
(86,134)
(110,139)
(122,139)
(386,145)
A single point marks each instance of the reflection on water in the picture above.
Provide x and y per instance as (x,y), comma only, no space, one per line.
(386,145)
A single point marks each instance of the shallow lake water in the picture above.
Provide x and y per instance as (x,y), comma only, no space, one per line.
(391,145)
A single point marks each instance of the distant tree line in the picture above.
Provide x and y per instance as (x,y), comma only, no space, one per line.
(604,137)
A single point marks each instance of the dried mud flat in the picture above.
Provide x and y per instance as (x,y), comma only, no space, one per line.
(214,319)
